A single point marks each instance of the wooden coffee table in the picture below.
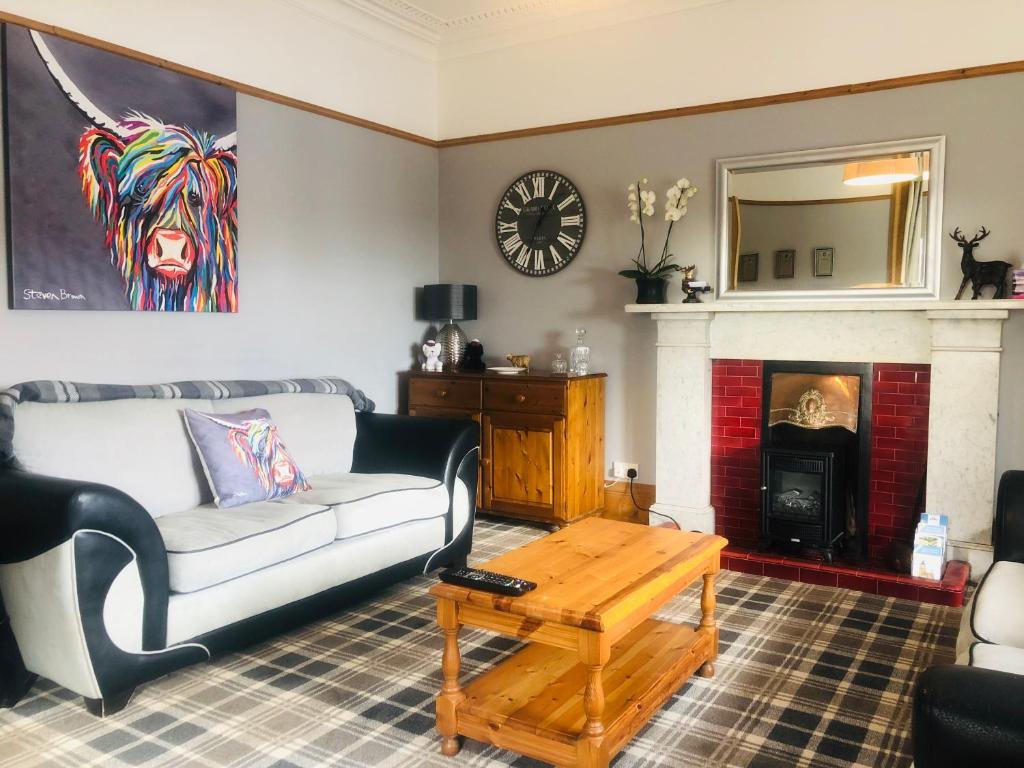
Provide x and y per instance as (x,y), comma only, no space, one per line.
(597,666)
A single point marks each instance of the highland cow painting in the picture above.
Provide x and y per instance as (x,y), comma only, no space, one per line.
(121,181)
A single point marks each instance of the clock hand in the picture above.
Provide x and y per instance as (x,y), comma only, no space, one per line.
(540,221)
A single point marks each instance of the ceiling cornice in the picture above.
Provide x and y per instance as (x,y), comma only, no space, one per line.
(405,25)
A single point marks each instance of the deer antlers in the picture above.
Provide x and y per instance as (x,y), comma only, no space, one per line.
(957,235)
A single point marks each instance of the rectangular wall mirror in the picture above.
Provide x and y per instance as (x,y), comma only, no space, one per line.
(846,222)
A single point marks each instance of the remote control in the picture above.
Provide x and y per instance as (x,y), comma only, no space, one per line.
(487,581)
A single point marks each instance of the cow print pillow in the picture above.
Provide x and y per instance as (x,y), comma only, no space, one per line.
(243,457)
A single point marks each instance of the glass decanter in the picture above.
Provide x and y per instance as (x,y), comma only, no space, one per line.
(579,356)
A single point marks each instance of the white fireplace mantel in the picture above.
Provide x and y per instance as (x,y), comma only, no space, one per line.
(961,340)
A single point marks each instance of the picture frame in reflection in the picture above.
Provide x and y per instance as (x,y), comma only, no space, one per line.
(747,272)
(785,263)
(824,262)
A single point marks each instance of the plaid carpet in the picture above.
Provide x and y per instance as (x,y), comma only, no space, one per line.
(807,676)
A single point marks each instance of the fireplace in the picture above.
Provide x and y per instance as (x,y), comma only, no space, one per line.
(936,385)
(802,499)
(815,456)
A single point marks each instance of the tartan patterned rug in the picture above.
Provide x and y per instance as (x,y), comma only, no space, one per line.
(807,676)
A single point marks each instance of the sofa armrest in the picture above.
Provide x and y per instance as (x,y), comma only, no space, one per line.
(413,445)
(444,449)
(39,513)
(968,716)
(1008,530)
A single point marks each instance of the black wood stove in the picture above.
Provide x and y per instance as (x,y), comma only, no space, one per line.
(815,456)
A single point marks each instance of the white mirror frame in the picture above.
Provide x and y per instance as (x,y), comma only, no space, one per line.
(931,261)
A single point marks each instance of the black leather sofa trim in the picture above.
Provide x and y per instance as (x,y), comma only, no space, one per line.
(416,446)
(40,513)
(279,620)
(15,680)
(98,560)
(965,716)
(1008,531)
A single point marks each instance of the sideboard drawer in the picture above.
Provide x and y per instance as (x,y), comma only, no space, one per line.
(525,396)
(444,393)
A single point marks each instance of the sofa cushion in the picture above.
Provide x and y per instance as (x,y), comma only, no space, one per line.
(208,545)
(995,613)
(244,457)
(320,429)
(364,503)
(138,446)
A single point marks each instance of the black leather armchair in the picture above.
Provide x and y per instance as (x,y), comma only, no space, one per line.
(966,716)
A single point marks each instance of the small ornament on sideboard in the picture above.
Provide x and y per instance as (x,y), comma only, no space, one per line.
(693,288)
(432,352)
(474,359)
(519,361)
(980,273)
(579,355)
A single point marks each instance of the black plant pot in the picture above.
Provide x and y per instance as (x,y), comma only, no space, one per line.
(651,290)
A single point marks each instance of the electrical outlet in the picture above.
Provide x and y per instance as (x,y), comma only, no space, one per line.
(620,468)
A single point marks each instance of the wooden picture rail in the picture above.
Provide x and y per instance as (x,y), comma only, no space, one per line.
(823,201)
(248,90)
(851,89)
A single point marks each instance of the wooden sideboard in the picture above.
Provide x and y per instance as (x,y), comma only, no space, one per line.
(541,436)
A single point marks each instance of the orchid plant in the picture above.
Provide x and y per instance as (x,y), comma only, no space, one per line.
(640,201)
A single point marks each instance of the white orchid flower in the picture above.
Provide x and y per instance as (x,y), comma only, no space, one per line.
(683,182)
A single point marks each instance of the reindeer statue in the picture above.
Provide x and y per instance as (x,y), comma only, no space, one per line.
(980,273)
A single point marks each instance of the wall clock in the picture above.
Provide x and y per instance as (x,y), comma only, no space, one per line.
(540,223)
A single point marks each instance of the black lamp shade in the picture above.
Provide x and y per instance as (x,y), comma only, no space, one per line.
(449,301)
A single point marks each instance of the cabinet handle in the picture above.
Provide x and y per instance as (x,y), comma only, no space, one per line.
(520,398)
(442,393)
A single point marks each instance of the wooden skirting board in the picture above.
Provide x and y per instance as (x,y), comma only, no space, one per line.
(851,89)
(619,506)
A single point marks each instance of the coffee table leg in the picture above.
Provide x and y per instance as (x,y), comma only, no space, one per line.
(594,652)
(707,623)
(451,694)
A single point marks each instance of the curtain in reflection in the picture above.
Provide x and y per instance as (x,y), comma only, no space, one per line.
(904,228)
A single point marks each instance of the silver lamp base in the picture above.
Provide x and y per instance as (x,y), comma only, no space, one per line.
(453,345)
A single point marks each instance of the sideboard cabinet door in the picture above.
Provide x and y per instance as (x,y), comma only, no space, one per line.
(523,460)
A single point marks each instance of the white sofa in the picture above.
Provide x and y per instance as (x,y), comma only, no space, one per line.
(116,567)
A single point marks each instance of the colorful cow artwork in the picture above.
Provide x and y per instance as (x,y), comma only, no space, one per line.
(163,190)
(166,197)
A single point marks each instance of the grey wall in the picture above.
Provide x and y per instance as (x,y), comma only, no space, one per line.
(858,233)
(337,226)
(981,119)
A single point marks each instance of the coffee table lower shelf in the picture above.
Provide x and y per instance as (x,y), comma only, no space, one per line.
(532,703)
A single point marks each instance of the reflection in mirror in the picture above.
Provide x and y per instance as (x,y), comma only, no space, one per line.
(854,220)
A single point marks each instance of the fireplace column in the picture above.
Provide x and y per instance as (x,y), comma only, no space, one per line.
(683,459)
(966,347)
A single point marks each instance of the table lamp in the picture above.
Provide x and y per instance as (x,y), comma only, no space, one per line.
(450,302)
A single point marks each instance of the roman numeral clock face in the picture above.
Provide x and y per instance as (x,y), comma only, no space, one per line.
(540,223)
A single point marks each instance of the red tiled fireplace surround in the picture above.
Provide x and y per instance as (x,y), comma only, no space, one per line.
(898,458)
